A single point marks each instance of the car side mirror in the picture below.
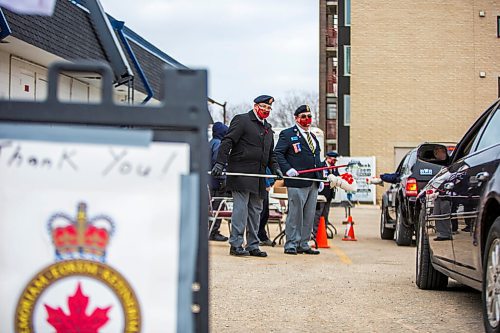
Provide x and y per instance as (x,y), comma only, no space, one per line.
(433,153)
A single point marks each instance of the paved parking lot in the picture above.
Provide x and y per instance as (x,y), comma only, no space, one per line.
(363,286)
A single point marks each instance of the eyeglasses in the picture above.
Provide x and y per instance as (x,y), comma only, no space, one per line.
(265,107)
(304,116)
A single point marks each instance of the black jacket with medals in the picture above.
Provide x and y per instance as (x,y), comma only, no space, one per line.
(248,148)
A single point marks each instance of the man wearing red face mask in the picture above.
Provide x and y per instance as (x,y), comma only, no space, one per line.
(248,148)
(298,149)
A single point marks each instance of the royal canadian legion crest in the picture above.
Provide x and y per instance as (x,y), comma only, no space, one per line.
(79,292)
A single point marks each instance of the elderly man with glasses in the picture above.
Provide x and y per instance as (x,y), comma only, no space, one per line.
(248,148)
(298,149)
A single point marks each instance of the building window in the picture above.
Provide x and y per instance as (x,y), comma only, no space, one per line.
(347,13)
(347,59)
(331,111)
(347,110)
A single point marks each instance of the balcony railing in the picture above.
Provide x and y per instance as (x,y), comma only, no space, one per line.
(331,129)
(331,37)
(331,83)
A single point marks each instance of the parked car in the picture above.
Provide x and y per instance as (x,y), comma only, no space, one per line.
(459,218)
(397,217)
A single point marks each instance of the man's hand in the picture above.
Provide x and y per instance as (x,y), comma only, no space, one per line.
(217,170)
(279,174)
(334,180)
(321,186)
(292,173)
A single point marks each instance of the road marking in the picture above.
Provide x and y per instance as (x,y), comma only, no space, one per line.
(341,254)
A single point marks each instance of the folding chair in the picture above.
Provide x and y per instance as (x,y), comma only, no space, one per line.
(219,208)
(277,214)
(281,235)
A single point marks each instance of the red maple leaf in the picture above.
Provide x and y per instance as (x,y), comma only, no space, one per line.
(77,320)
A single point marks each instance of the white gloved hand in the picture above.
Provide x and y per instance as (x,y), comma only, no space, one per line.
(292,173)
(321,186)
(374,181)
(334,180)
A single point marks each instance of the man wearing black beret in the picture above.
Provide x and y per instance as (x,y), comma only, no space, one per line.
(298,149)
(248,148)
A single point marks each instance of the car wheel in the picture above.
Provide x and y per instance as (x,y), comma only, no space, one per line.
(491,280)
(426,276)
(403,233)
(385,233)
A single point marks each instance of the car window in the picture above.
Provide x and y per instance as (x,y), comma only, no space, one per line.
(400,166)
(404,166)
(467,142)
(409,162)
(491,134)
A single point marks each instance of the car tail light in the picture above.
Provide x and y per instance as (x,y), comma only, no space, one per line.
(411,187)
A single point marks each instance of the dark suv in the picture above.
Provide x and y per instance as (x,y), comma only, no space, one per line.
(459,218)
(397,217)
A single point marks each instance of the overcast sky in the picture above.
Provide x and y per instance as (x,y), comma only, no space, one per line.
(250,47)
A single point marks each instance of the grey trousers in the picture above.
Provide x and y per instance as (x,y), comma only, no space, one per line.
(246,214)
(300,218)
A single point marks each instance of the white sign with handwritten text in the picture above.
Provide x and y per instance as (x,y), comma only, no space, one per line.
(92,228)
(360,168)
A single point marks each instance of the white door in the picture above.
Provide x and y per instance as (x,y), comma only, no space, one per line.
(41,87)
(22,81)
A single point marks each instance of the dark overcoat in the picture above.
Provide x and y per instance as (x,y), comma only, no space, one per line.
(292,151)
(248,148)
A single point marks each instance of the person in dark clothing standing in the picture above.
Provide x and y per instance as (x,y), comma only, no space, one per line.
(217,184)
(323,208)
(248,148)
(298,149)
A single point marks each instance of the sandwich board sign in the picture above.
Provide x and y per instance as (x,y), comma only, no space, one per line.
(101,214)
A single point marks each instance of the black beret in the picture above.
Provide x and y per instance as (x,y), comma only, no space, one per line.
(332,154)
(302,109)
(266,99)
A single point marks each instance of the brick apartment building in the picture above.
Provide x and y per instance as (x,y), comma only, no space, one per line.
(418,71)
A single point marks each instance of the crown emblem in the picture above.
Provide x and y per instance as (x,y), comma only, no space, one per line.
(80,237)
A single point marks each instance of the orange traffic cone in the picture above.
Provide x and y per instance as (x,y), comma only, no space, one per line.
(321,236)
(349,230)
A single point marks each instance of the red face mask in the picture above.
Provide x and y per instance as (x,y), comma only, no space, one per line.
(304,122)
(262,113)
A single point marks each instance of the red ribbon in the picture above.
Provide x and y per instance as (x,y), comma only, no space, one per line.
(322,168)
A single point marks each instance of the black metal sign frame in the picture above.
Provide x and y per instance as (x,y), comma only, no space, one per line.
(182,116)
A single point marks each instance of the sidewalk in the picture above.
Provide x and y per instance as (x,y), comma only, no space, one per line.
(283,293)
